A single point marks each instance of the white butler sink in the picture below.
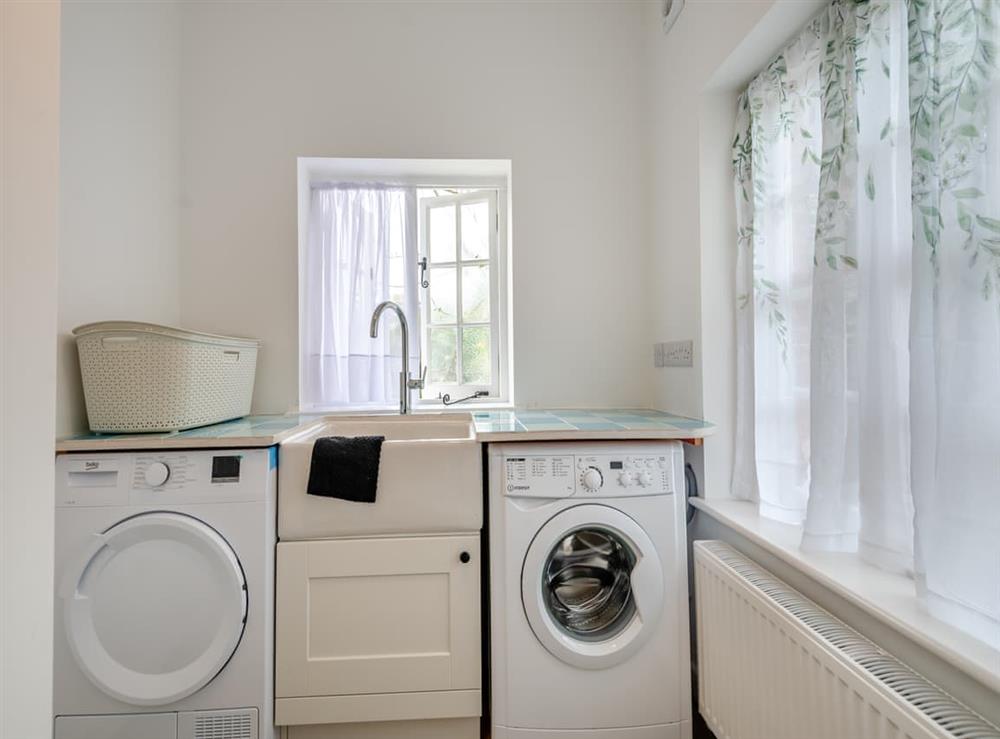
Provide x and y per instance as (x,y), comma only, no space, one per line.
(430,479)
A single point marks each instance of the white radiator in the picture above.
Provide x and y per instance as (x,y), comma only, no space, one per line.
(773,665)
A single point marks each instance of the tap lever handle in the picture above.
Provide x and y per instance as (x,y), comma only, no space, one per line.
(418,384)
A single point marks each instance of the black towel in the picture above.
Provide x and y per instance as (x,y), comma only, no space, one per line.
(345,467)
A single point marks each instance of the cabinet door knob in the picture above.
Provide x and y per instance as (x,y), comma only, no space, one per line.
(464,557)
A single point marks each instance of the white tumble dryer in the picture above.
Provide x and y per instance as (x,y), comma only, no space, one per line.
(164,600)
(588,584)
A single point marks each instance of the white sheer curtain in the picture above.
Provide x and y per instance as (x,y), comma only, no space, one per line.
(859,495)
(955,395)
(361,250)
(868,334)
(777,178)
(827,130)
(884,248)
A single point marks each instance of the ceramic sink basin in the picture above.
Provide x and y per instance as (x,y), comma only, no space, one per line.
(430,479)
(397,428)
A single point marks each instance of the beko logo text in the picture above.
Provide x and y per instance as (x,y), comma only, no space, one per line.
(91,465)
(512,488)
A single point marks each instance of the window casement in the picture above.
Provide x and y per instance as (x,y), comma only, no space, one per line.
(461,308)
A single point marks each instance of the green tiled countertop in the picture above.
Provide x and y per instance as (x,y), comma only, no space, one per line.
(493,425)
(570,424)
(246,432)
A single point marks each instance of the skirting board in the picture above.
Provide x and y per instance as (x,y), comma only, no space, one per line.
(344,709)
(452,728)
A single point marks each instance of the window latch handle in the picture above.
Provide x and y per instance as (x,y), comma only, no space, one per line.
(422,263)
(446,398)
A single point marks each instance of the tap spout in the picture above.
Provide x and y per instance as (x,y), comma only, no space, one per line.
(405,383)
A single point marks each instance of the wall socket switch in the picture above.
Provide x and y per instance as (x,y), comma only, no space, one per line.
(674,354)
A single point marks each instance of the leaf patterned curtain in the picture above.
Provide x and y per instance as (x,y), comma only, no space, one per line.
(866,166)
(777,167)
(955,322)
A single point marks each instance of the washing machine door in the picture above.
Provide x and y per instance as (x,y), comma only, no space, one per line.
(592,586)
(154,608)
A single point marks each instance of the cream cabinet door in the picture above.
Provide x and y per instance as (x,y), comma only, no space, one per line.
(377,616)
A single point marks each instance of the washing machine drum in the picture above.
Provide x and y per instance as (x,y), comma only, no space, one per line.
(592,586)
(154,608)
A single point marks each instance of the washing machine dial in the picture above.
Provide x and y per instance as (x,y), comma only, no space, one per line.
(592,479)
(625,479)
(645,479)
(157,473)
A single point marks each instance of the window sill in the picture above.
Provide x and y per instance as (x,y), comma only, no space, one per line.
(886,596)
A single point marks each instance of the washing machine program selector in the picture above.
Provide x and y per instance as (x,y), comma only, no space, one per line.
(592,479)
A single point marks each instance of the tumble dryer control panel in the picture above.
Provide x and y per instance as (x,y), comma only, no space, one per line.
(591,475)
(163,478)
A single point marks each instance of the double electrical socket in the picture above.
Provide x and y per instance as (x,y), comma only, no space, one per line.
(674,354)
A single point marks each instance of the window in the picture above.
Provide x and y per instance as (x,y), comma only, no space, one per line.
(433,242)
(461,337)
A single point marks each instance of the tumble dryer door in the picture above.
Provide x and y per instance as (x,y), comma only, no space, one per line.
(592,586)
(154,608)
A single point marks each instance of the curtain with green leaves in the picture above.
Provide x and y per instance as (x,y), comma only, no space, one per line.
(777,161)
(867,175)
(955,330)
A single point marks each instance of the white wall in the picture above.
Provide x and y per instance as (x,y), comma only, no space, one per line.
(554,86)
(120,159)
(688,133)
(29,172)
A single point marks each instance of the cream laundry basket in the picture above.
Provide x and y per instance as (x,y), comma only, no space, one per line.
(145,377)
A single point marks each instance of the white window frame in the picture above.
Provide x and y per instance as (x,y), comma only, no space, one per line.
(467,174)
(459,389)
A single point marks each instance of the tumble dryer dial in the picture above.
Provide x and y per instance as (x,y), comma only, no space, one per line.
(156,474)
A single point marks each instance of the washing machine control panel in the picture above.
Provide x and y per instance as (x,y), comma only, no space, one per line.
(587,475)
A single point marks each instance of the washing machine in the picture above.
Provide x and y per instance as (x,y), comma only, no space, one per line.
(588,586)
(164,601)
